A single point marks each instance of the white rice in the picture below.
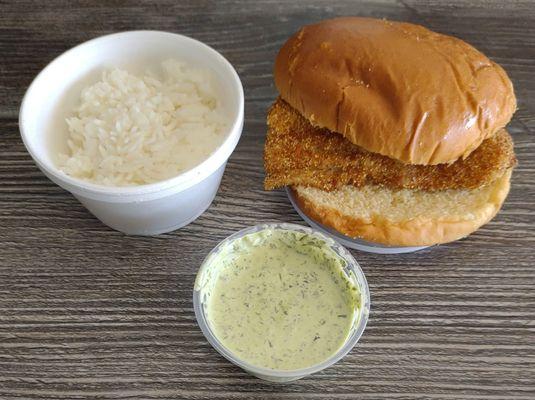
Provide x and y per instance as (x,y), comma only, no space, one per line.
(131,130)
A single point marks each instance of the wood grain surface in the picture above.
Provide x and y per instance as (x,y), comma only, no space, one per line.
(87,312)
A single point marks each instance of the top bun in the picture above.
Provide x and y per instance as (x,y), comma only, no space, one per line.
(394,88)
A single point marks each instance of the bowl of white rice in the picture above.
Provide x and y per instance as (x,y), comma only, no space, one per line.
(138,126)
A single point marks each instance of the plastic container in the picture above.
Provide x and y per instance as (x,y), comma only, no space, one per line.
(350,242)
(352,271)
(146,209)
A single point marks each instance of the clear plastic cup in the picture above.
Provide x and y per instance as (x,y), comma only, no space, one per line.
(352,271)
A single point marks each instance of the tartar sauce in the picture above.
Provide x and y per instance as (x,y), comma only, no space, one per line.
(280,299)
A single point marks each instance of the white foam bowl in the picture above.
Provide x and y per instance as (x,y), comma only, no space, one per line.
(139,210)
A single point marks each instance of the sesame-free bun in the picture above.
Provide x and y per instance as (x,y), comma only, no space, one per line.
(403,217)
(394,88)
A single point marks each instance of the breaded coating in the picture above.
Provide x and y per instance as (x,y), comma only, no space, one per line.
(297,153)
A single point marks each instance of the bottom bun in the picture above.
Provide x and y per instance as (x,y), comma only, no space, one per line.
(404,217)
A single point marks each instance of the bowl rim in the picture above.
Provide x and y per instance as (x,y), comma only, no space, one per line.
(181,181)
(353,337)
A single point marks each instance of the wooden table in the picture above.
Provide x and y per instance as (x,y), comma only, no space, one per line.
(87,312)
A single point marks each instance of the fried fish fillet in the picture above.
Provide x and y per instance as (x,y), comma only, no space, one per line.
(297,153)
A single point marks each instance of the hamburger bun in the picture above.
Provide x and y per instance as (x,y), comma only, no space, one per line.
(403,217)
(396,89)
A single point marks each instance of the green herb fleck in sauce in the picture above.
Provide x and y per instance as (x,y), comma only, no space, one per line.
(279,299)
